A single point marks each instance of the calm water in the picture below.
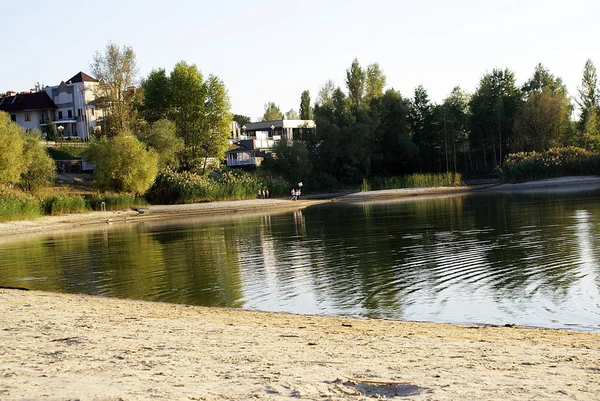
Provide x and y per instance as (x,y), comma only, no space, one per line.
(480,258)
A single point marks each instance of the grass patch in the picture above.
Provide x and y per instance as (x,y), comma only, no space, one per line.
(63,204)
(66,152)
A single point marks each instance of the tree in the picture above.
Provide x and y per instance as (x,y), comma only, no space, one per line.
(494,106)
(215,128)
(292,114)
(421,122)
(325,96)
(51,133)
(542,78)
(162,137)
(38,167)
(306,112)
(157,96)
(11,150)
(589,94)
(187,107)
(455,125)
(292,160)
(392,148)
(543,121)
(375,82)
(240,119)
(591,133)
(115,70)
(272,112)
(122,163)
(355,81)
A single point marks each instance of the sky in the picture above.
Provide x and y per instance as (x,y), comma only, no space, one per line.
(271,51)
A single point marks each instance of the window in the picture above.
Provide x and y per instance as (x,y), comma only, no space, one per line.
(27,117)
(70,113)
(92,111)
(78,112)
(60,115)
(13,117)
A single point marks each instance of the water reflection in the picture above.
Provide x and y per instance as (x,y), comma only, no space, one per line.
(479,258)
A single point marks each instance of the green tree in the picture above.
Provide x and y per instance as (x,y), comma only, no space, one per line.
(455,110)
(272,112)
(38,167)
(355,82)
(51,133)
(116,72)
(325,96)
(122,163)
(494,106)
(591,133)
(215,128)
(589,95)
(240,119)
(292,114)
(421,122)
(157,96)
(188,108)
(543,121)
(292,160)
(11,150)
(162,137)
(306,112)
(375,82)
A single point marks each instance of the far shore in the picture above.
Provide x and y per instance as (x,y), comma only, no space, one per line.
(63,222)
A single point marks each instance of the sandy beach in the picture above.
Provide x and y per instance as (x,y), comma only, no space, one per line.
(79,347)
(76,347)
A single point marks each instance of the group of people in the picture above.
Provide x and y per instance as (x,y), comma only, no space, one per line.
(296,192)
(263,193)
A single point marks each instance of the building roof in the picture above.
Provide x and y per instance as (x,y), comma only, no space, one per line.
(27,101)
(266,125)
(81,77)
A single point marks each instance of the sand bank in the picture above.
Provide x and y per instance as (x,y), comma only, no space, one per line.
(76,347)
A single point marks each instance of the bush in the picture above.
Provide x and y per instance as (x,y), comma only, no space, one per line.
(556,162)
(123,163)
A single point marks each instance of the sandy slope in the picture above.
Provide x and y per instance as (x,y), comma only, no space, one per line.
(67,347)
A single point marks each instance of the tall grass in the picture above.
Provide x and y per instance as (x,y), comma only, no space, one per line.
(556,162)
(115,202)
(18,206)
(412,181)
(63,204)
(185,187)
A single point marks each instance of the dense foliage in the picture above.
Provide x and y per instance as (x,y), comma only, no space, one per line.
(556,162)
(187,187)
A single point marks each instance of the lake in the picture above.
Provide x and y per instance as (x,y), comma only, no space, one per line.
(483,258)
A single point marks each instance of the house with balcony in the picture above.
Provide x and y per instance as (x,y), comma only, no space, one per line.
(254,141)
(71,106)
(29,109)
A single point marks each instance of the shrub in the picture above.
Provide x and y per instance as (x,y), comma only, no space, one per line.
(554,162)
(123,164)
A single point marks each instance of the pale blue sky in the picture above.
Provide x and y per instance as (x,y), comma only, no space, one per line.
(266,50)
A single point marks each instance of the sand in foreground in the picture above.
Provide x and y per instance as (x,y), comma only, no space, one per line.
(63,347)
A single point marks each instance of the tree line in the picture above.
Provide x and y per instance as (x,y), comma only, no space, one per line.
(364,131)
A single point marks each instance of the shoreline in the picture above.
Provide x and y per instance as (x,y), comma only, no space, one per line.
(65,346)
(47,224)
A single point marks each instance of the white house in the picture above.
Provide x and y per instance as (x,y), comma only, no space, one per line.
(70,105)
